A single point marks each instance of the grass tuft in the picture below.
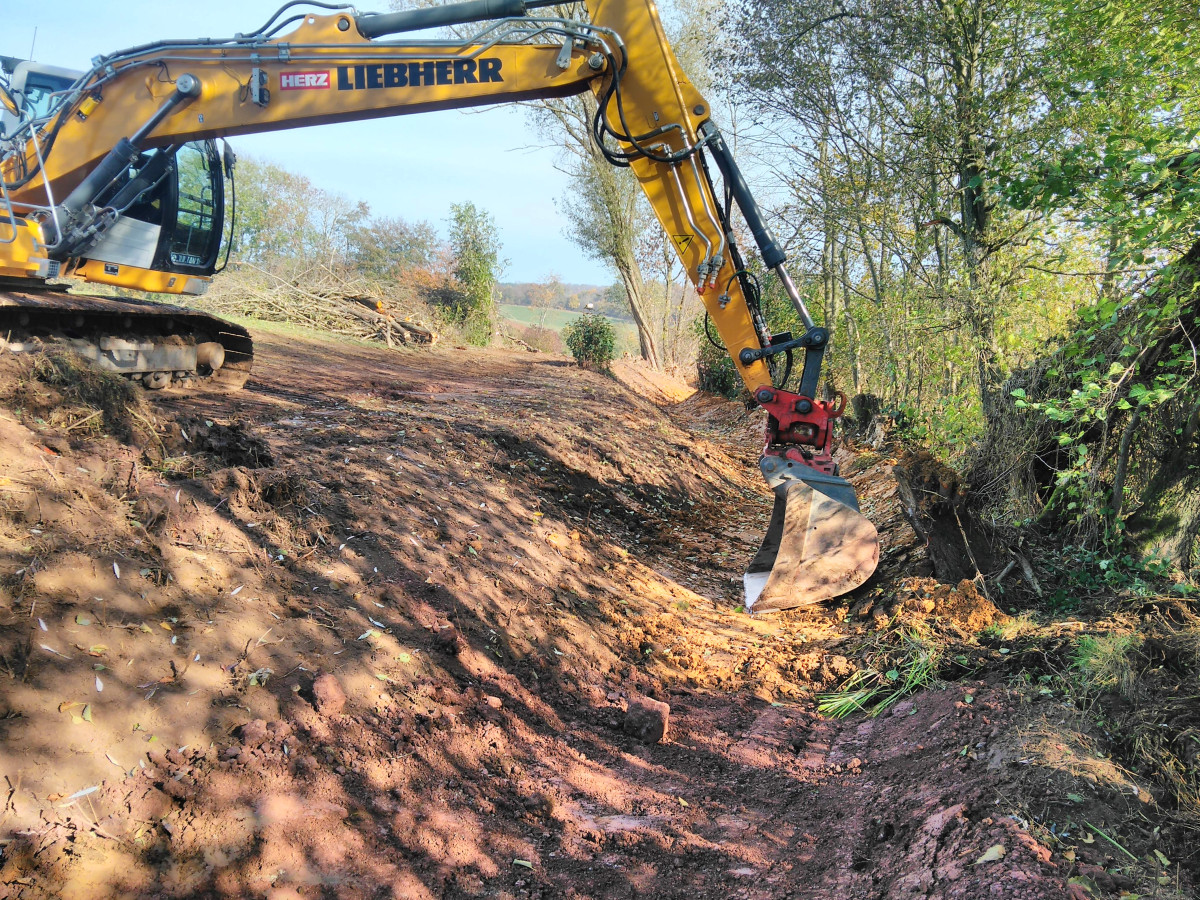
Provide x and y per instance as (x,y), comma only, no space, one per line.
(913,667)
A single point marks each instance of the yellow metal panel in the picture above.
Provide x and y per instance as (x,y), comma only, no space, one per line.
(21,252)
(339,78)
(98,272)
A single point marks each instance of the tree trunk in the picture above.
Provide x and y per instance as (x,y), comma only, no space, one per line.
(635,292)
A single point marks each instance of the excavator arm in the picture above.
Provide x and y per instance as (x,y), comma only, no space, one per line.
(66,177)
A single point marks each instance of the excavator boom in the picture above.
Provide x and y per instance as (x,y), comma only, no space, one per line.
(80,176)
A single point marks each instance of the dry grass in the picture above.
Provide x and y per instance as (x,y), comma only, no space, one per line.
(1108,662)
(1154,668)
(68,392)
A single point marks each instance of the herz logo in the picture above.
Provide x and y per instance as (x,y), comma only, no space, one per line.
(304,81)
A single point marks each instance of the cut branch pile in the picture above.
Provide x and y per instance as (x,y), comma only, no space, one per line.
(321,298)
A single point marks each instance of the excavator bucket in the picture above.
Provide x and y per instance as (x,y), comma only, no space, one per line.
(818,544)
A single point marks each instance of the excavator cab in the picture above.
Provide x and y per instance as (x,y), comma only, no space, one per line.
(174,224)
(168,205)
(33,87)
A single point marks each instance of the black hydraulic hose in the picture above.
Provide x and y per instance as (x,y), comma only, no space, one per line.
(772,253)
(374,26)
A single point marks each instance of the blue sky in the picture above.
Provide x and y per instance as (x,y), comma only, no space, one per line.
(409,166)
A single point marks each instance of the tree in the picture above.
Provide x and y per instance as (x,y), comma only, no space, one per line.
(386,247)
(475,244)
(546,295)
(1115,412)
(901,121)
(606,214)
(284,221)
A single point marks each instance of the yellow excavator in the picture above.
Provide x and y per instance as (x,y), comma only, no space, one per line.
(113,176)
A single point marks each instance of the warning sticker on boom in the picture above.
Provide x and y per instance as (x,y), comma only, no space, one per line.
(682,241)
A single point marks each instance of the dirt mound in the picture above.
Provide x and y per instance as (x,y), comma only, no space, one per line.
(61,393)
(226,445)
(398,661)
(962,608)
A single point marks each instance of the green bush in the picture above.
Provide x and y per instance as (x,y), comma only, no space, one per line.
(716,372)
(591,340)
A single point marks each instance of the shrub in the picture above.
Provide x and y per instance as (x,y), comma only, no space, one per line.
(591,340)
(547,340)
(716,372)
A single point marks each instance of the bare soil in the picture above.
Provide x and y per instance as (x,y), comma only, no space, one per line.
(370,628)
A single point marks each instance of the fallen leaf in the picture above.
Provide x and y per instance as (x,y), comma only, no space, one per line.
(523,862)
(1069,855)
(117,571)
(42,625)
(1075,798)
(683,802)
(86,715)
(1084,882)
(97,650)
(165,626)
(99,684)
(993,853)
(84,792)
(1162,859)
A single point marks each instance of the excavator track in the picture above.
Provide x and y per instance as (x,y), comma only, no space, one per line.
(155,344)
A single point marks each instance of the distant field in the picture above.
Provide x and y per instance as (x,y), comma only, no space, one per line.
(557,319)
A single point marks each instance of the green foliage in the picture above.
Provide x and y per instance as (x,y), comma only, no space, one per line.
(1120,169)
(1107,662)
(1097,381)
(714,368)
(875,690)
(591,340)
(285,223)
(1082,573)
(475,243)
(386,247)
(717,374)
(284,219)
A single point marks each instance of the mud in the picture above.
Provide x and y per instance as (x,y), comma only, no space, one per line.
(375,632)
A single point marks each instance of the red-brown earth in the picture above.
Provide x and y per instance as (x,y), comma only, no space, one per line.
(370,628)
